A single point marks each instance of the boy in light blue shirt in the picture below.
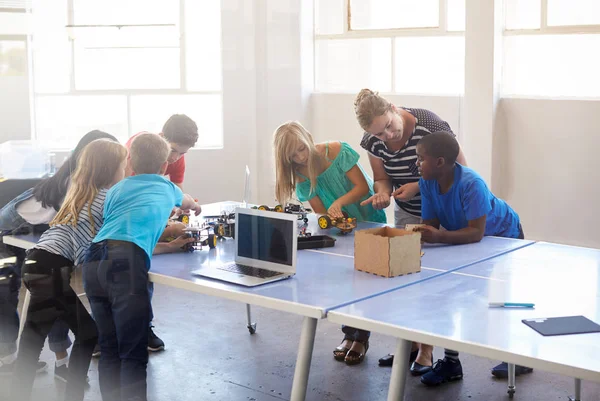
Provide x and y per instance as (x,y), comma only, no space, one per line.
(115,270)
(456,197)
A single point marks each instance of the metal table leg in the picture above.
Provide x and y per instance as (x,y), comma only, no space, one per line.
(251,326)
(305,349)
(511,380)
(23,315)
(399,370)
(577,396)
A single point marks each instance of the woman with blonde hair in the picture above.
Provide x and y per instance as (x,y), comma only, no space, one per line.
(391,134)
(48,266)
(329,177)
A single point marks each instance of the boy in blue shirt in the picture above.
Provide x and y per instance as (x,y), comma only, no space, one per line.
(457,198)
(115,270)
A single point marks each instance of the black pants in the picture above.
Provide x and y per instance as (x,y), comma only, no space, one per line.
(47,277)
(115,278)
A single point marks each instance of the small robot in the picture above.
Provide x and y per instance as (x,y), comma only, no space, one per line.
(345,224)
(203,237)
(224,226)
(291,208)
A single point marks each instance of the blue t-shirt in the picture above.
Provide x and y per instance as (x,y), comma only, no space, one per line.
(137,209)
(468,199)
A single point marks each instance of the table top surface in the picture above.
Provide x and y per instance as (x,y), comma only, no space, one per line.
(452,310)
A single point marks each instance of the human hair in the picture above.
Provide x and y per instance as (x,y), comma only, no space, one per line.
(368,105)
(51,191)
(98,165)
(148,153)
(286,139)
(181,129)
(440,144)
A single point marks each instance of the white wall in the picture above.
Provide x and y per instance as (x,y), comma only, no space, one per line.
(546,167)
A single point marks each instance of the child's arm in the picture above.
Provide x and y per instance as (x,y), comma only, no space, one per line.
(361,188)
(468,235)
(317,205)
(173,246)
(174,229)
(189,203)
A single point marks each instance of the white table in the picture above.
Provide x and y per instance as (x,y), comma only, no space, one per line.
(452,311)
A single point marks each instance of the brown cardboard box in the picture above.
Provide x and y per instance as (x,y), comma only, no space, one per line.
(387,252)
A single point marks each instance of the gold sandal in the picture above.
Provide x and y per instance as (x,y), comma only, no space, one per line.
(339,353)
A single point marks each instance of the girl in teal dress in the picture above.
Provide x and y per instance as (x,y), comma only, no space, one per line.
(329,177)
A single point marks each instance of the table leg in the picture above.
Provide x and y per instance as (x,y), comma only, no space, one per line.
(305,349)
(399,370)
(511,380)
(251,326)
(23,315)
(577,396)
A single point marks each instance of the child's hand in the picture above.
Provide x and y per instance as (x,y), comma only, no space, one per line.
(335,210)
(175,229)
(197,209)
(429,234)
(406,192)
(379,201)
(180,242)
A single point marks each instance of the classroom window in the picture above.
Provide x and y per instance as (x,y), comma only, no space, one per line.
(171,52)
(379,44)
(548,48)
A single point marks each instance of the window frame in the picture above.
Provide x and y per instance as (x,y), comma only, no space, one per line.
(129,93)
(391,33)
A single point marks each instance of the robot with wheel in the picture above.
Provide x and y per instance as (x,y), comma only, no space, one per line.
(345,224)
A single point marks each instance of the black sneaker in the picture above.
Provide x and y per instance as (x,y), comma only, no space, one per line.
(501,371)
(62,372)
(96,352)
(155,344)
(7,368)
(444,370)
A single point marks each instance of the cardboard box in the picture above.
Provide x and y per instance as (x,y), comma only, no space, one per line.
(387,252)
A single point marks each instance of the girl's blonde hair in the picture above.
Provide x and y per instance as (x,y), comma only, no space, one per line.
(368,105)
(286,139)
(96,169)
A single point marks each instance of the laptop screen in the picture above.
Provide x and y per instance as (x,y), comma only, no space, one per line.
(264,238)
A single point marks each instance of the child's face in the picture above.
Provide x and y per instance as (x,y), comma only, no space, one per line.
(177,150)
(300,155)
(388,127)
(426,164)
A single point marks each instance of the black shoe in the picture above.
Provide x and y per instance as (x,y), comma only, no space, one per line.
(62,372)
(155,344)
(416,369)
(444,370)
(7,368)
(501,371)
(388,360)
(96,352)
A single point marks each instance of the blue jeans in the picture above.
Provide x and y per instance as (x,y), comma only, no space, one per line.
(9,318)
(115,278)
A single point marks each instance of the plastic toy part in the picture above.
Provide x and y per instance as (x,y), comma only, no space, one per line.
(345,224)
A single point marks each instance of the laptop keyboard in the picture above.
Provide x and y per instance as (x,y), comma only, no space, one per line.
(249,270)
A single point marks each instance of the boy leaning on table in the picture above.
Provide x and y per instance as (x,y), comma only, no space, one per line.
(457,198)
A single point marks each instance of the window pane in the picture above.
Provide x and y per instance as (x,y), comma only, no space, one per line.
(386,14)
(150,112)
(445,76)
(126,68)
(13,58)
(523,14)
(203,45)
(329,16)
(551,65)
(125,12)
(573,12)
(51,47)
(350,65)
(63,120)
(456,15)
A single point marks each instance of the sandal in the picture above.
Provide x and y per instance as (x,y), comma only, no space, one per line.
(339,353)
(354,357)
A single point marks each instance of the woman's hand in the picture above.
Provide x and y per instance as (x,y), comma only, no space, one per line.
(379,201)
(406,192)
(335,210)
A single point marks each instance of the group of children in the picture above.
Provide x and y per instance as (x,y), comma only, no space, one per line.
(110,218)
(109,204)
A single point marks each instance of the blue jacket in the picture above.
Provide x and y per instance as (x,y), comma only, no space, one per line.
(12,222)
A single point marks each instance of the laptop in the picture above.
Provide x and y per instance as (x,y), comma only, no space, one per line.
(265,249)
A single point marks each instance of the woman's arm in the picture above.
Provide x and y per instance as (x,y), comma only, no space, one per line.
(382,187)
(461,159)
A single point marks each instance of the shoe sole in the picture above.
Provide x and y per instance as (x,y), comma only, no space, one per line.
(451,379)
(156,349)
(96,354)
(62,379)
(504,374)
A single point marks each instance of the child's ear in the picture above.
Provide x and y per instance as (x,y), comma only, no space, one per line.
(440,162)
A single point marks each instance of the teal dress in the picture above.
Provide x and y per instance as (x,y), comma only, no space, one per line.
(333,183)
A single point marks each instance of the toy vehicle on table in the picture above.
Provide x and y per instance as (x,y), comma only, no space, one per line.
(223,225)
(291,208)
(345,224)
(202,236)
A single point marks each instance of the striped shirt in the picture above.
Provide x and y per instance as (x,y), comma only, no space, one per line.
(71,242)
(401,166)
